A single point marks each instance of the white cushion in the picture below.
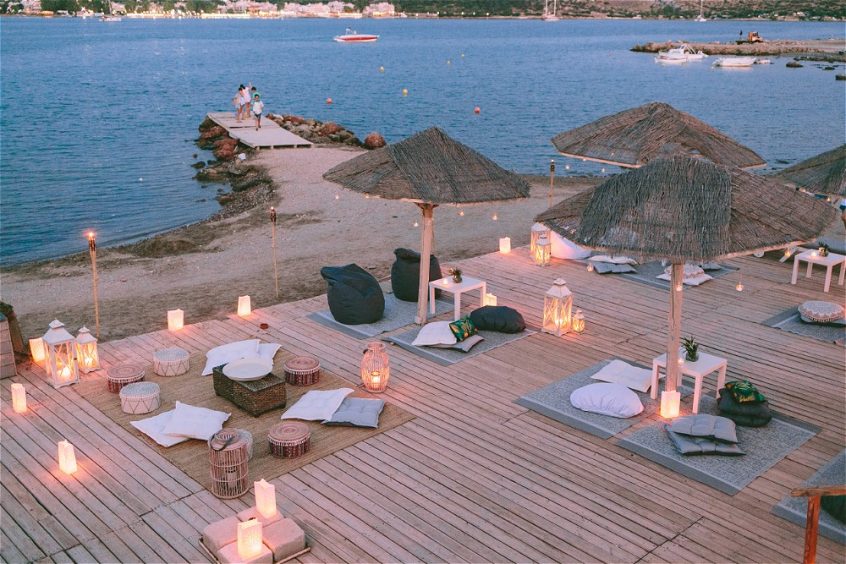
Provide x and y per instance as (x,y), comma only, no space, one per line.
(195,422)
(435,333)
(317,405)
(268,350)
(224,354)
(691,280)
(619,372)
(615,400)
(564,248)
(613,260)
(154,426)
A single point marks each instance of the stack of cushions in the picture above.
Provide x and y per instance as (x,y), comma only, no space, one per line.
(821,312)
(354,294)
(694,275)
(835,505)
(333,407)
(741,402)
(704,434)
(460,335)
(405,274)
(603,264)
(224,354)
(615,400)
(182,423)
(502,319)
(619,372)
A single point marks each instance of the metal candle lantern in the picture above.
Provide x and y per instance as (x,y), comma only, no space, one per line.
(543,251)
(538,230)
(375,368)
(579,322)
(557,309)
(60,355)
(87,357)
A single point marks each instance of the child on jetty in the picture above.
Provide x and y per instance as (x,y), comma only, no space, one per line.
(258,106)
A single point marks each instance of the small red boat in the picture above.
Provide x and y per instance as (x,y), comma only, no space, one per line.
(352,37)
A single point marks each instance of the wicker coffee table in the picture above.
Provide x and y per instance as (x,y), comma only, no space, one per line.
(256,397)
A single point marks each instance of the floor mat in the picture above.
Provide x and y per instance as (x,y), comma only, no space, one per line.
(647,272)
(789,320)
(446,357)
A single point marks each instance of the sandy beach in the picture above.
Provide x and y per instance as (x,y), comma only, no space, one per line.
(232,256)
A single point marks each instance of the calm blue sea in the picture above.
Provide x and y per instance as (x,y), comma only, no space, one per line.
(98,119)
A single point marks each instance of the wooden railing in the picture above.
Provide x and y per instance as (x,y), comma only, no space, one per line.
(812,523)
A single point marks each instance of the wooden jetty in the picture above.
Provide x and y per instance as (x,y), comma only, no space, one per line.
(270,136)
(474,477)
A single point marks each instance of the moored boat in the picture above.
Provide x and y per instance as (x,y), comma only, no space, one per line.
(350,36)
(735,62)
(681,54)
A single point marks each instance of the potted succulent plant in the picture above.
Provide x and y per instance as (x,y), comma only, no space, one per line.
(823,250)
(456,275)
(691,349)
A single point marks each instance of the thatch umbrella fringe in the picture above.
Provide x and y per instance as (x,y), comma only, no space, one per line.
(824,173)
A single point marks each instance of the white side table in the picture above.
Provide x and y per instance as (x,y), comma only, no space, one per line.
(447,284)
(829,262)
(706,364)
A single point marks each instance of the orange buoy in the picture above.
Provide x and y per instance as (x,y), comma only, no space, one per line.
(405,91)
(328,100)
(477,110)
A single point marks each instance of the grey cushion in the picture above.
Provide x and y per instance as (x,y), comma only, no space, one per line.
(463,346)
(837,323)
(358,412)
(708,266)
(688,445)
(706,426)
(606,267)
(835,505)
(748,414)
(502,319)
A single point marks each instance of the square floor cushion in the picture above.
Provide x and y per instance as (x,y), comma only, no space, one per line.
(498,318)
(358,412)
(194,422)
(747,414)
(317,405)
(690,446)
(706,426)
(620,372)
(435,333)
(614,400)
(154,426)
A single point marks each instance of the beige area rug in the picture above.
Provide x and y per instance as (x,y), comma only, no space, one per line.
(192,388)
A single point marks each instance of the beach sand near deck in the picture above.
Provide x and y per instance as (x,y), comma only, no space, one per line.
(233,255)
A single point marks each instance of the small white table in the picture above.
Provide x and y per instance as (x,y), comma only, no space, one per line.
(467,284)
(706,364)
(829,262)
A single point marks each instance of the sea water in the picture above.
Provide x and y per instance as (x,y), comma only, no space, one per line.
(98,119)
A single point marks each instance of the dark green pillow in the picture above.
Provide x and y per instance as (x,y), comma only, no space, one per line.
(462,328)
(835,505)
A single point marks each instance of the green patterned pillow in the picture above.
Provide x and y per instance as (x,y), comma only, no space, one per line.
(743,391)
(462,328)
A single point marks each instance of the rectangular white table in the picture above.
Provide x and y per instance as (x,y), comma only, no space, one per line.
(829,262)
(447,284)
(706,364)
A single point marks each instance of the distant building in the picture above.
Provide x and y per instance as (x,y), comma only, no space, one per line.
(31,6)
(380,10)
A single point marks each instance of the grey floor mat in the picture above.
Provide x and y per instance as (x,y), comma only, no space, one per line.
(397,314)
(647,272)
(553,401)
(446,357)
(789,320)
(795,509)
(764,447)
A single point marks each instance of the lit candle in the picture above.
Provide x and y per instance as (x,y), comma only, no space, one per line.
(244,306)
(505,245)
(67,458)
(65,372)
(814,254)
(175,319)
(37,350)
(375,378)
(19,398)
(490,300)
(590,267)
(249,539)
(265,498)
(670,404)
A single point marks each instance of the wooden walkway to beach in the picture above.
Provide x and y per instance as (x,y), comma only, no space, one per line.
(474,477)
(270,136)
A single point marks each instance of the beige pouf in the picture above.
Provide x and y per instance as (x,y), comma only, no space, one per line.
(170,362)
(821,312)
(124,374)
(140,397)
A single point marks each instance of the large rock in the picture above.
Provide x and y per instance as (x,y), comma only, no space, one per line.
(374,141)
(330,128)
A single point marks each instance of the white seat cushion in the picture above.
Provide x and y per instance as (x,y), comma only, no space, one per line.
(317,405)
(619,372)
(691,280)
(224,354)
(613,260)
(564,248)
(615,400)
(195,422)
(154,426)
(435,333)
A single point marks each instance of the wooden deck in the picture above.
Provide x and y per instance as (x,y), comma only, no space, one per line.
(270,136)
(474,477)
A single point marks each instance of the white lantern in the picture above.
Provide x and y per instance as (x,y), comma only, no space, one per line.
(19,398)
(37,350)
(579,322)
(538,230)
(490,300)
(504,245)
(249,539)
(265,498)
(244,306)
(543,251)
(670,404)
(67,458)
(87,357)
(175,319)
(558,309)
(60,355)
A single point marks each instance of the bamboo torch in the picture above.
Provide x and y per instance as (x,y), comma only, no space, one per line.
(92,250)
(273,237)
(551,182)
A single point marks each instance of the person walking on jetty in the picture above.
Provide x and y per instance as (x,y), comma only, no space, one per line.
(238,102)
(258,107)
(245,98)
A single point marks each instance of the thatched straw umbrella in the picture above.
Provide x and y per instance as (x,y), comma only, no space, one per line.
(428,169)
(822,174)
(687,209)
(634,137)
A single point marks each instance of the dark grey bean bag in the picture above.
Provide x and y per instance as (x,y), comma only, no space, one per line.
(498,318)
(405,274)
(354,294)
(744,414)
(835,505)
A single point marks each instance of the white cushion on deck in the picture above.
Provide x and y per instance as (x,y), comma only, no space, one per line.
(619,372)
(317,405)
(194,422)
(154,426)
(615,400)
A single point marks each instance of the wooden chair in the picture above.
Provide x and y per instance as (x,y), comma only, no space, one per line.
(812,522)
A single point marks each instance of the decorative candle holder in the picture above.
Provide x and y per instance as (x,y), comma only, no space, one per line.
(504,245)
(18,398)
(375,368)
(265,498)
(37,350)
(175,319)
(67,458)
(244,306)
(670,402)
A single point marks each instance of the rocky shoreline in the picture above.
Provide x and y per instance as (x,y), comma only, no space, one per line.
(827,50)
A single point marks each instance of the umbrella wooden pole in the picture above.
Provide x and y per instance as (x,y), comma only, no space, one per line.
(674,334)
(425,254)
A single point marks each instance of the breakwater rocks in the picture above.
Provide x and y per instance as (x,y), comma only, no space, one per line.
(817,49)
(326,132)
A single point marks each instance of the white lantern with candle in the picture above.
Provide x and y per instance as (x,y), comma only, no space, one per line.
(543,251)
(670,402)
(249,539)
(265,498)
(175,319)
(504,245)
(375,368)
(538,230)
(60,355)
(244,306)
(87,356)
(579,322)
(67,458)
(37,350)
(557,309)
(18,398)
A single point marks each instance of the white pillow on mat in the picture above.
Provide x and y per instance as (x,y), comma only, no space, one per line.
(154,426)
(435,333)
(690,280)
(224,354)
(615,400)
(613,260)
(619,372)
(564,248)
(195,422)
(317,405)
(268,350)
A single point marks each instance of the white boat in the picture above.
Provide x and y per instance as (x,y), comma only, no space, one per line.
(735,62)
(701,17)
(350,36)
(681,54)
(550,14)
(111,19)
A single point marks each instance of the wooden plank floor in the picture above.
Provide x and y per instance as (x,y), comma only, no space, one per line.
(474,477)
(270,136)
